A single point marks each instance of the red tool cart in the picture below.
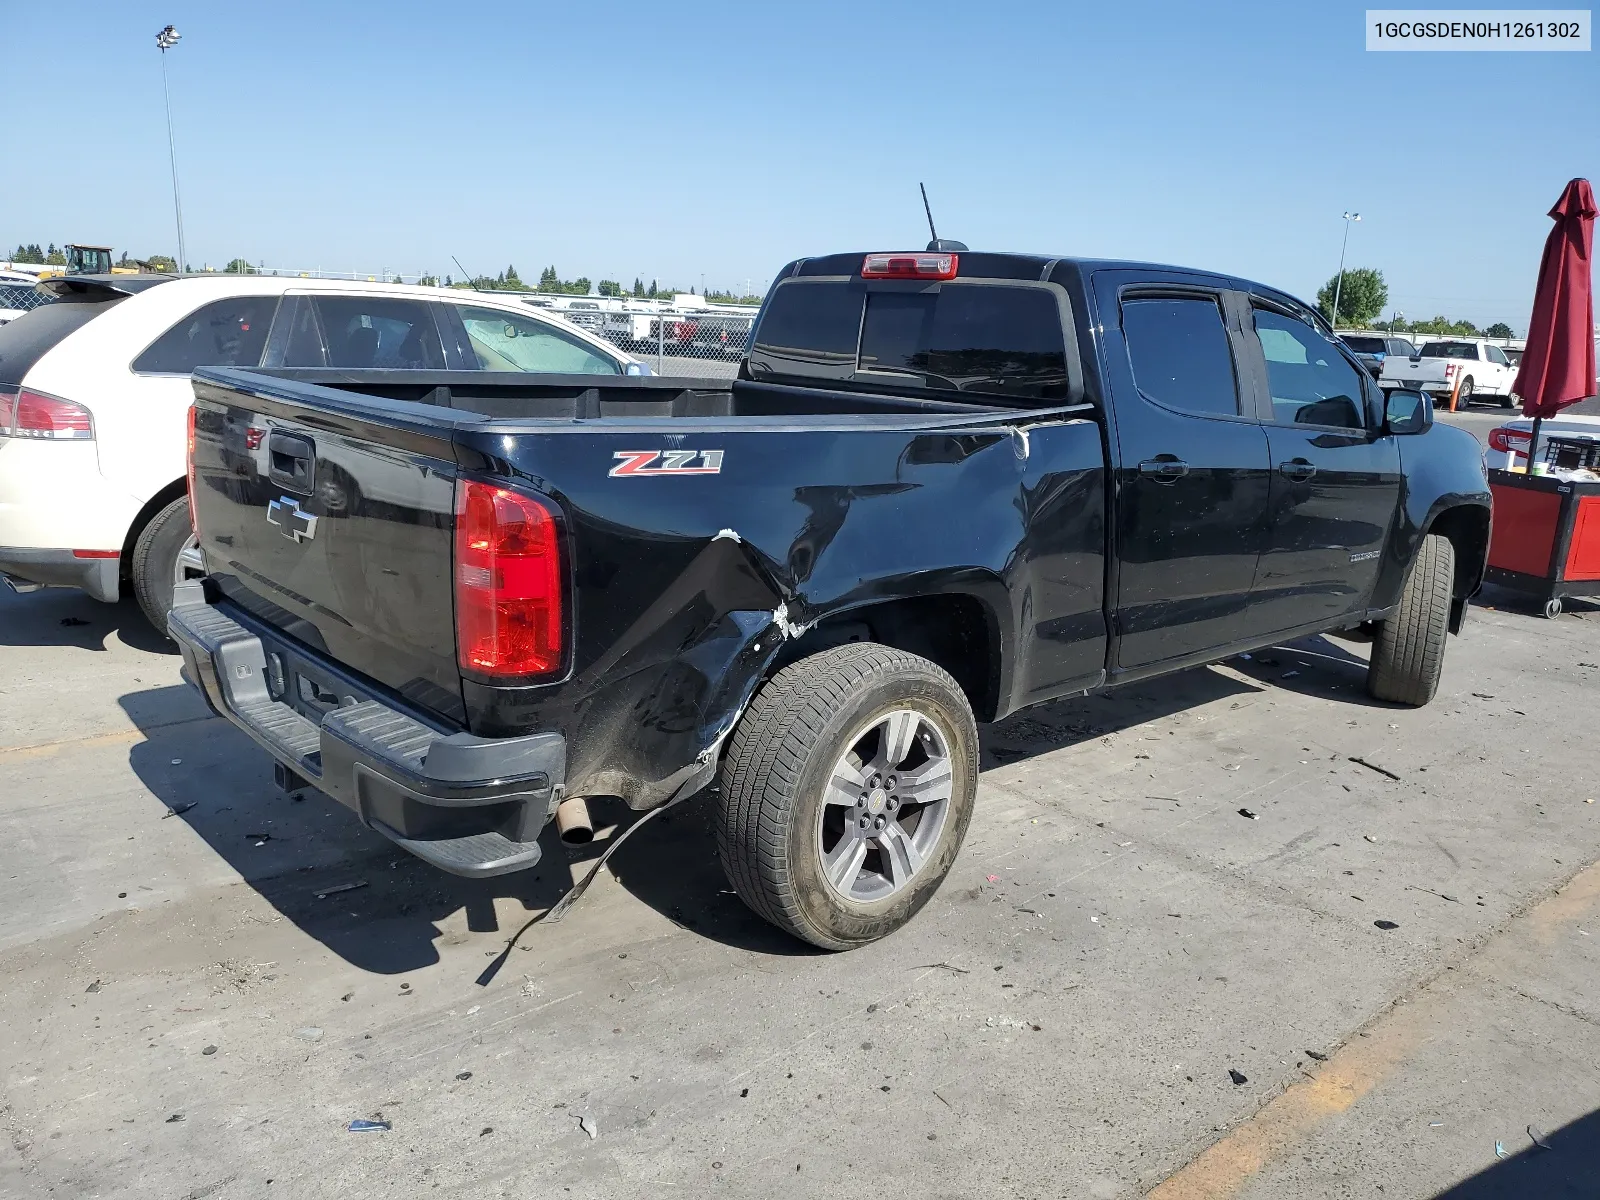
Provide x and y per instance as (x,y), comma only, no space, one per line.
(1546,539)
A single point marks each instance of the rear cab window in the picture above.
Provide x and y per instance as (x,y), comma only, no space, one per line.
(1451,350)
(1365,345)
(1001,338)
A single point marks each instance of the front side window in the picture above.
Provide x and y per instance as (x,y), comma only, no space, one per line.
(1178,349)
(225,333)
(503,341)
(1495,356)
(1311,382)
(371,331)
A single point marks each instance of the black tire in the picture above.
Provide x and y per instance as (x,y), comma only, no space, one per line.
(779,764)
(1464,393)
(1506,401)
(155,560)
(1408,653)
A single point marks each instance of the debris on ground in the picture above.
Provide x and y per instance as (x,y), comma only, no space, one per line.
(362,1125)
(93,987)
(588,1125)
(1312,1054)
(486,1131)
(1239,1077)
(1361,762)
(463,1076)
(310,1033)
(342,887)
(1538,1138)
(1387,924)
(178,811)
(1245,812)
(943,966)
(1289,674)
(174,1118)
(1369,837)
(1500,1151)
(260,839)
(209,1050)
(992,878)
(1411,887)
(73,622)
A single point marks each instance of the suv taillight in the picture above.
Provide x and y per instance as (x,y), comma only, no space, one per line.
(1509,441)
(36,415)
(507,583)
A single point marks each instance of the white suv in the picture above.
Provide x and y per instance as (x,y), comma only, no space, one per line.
(95,391)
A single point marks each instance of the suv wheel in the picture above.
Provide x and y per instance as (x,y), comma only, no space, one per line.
(165,553)
(846,790)
(1464,393)
(1408,653)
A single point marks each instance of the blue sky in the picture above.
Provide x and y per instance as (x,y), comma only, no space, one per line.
(616,139)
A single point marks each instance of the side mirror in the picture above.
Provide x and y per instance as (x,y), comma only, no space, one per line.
(1407,412)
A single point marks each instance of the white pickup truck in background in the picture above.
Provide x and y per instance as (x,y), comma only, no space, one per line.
(1440,368)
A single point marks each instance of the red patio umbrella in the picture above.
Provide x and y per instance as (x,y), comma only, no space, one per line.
(1558,366)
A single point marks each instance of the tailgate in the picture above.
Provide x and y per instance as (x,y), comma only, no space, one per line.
(333,524)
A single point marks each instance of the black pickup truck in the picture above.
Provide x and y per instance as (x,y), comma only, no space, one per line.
(945,486)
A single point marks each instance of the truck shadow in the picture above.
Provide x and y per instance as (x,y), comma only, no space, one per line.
(302,855)
(66,617)
(1570,1167)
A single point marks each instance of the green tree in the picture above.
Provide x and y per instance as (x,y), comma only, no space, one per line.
(427,281)
(1499,329)
(54,257)
(652,293)
(238,266)
(160,262)
(1362,296)
(638,287)
(608,287)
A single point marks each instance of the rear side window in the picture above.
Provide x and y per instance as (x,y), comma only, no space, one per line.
(226,333)
(31,336)
(1400,346)
(503,341)
(972,337)
(1178,349)
(373,331)
(810,327)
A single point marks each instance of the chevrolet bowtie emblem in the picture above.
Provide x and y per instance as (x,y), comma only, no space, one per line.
(292,520)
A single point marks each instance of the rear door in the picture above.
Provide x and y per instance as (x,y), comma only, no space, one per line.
(1335,477)
(1191,467)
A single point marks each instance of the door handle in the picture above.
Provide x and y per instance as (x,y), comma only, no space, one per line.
(1165,469)
(1297,469)
(291,462)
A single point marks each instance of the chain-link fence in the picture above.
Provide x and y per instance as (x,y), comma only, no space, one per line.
(674,338)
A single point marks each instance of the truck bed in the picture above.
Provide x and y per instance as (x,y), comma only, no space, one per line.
(706,523)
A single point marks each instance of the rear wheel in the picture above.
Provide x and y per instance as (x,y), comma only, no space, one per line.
(1464,393)
(1506,401)
(165,554)
(1408,654)
(846,791)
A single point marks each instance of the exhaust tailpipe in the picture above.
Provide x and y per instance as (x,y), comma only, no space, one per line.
(573,823)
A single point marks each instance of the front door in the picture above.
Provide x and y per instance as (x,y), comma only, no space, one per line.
(1335,477)
(1192,469)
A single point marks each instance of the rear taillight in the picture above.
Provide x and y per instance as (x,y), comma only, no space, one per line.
(35,415)
(909,265)
(1508,441)
(1449,370)
(507,583)
(189,470)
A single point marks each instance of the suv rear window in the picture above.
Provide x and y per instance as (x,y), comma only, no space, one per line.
(994,339)
(31,336)
(1365,345)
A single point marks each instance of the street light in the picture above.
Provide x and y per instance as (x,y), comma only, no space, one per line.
(1349,219)
(166,40)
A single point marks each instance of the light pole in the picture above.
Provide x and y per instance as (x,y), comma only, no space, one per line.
(1349,219)
(166,40)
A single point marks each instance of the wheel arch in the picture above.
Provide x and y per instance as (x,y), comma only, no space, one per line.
(958,631)
(1466,527)
(173,491)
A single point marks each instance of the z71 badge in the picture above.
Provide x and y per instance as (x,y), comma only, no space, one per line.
(671,462)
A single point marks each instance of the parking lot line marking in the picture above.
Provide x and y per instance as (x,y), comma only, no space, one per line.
(1370,1056)
(120,737)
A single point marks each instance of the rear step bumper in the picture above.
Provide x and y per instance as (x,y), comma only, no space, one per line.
(471,806)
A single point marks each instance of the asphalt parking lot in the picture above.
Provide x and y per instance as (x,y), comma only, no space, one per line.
(1242,932)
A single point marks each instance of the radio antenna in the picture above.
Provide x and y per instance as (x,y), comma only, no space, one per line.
(932,232)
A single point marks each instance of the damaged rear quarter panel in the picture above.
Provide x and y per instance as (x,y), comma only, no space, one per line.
(686,588)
